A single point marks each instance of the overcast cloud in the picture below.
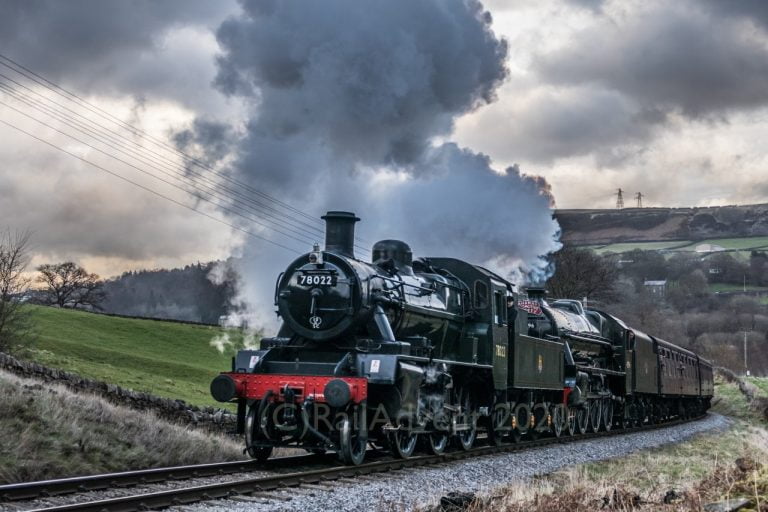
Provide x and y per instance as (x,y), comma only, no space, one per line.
(320,103)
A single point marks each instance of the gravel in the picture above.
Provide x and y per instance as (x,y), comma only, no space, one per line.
(406,489)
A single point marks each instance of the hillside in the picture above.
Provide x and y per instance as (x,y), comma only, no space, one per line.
(594,227)
(168,359)
(47,431)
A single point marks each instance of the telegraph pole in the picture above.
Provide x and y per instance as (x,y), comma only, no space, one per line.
(746,368)
(620,200)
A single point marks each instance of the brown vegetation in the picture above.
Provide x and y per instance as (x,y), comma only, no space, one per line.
(682,477)
(47,431)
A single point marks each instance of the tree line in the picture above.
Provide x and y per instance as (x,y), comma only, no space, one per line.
(186,294)
(688,312)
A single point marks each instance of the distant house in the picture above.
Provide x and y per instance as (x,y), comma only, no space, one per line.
(657,288)
(706,248)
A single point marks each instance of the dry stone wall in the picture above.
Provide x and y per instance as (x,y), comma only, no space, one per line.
(179,411)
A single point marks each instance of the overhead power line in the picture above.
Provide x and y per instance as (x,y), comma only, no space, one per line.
(207,199)
(282,218)
(57,89)
(125,141)
(238,202)
(148,189)
(175,173)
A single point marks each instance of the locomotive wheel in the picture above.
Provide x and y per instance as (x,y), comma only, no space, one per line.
(402,443)
(252,435)
(522,419)
(570,421)
(595,415)
(608,414)
(539,417)
(496,425)
(352,444)
(557,420)
(437,442)
(654,416)
(582,419)
(466,438)
(642,411)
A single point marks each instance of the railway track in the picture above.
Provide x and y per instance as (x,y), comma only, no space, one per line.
(257,489)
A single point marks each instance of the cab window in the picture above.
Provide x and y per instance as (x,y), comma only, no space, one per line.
(499,308)
(481,295)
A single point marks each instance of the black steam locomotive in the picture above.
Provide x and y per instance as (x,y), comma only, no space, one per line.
(400,353)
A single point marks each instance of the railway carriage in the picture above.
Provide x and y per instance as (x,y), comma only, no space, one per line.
(400,353)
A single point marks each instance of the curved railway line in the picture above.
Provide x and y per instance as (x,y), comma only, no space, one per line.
(256,489)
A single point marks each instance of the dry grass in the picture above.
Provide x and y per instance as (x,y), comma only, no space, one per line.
(50,432)
(680,477)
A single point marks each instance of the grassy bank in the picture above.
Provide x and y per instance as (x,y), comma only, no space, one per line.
(733,244)
(684,476)
(167,359)
(50,432)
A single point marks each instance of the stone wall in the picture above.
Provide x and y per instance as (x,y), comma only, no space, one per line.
(178,411)
(749,390)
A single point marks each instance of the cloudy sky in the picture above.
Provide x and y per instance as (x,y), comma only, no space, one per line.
(425,117)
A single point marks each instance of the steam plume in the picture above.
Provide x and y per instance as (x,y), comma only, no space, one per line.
(349,102)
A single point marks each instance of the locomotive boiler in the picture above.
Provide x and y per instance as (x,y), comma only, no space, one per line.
(401,353)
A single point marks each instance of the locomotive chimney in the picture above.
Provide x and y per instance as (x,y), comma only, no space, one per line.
(340,232)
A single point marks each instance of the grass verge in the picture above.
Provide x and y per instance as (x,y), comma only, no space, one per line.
(50,432)
(684,476)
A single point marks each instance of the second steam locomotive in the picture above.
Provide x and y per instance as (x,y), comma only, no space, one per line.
(401,353)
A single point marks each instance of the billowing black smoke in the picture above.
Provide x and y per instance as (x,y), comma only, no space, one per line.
(350,104)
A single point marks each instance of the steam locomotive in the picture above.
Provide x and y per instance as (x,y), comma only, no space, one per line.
(404,353)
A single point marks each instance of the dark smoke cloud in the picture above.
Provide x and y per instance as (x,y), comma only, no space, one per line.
(464,209)
(351,102)
(367,83)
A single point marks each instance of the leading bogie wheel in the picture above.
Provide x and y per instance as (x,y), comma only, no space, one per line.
(253,437)
(352,444)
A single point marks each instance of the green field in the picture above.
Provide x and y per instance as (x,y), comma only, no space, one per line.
(644,246)
(730,243)
(165,358)
(684,245)
(724,287)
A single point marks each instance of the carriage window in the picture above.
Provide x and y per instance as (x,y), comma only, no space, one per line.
(481,295)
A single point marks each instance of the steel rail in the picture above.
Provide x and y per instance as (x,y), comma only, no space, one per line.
(187,495)
(61,486)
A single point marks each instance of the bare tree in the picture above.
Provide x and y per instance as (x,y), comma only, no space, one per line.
(69,285)
(14,321)
(582,273)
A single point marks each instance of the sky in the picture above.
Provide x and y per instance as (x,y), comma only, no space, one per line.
(427,118)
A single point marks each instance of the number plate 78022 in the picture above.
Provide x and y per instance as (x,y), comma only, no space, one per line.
(316,279)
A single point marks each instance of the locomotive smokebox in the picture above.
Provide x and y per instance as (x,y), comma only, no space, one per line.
(340,233)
